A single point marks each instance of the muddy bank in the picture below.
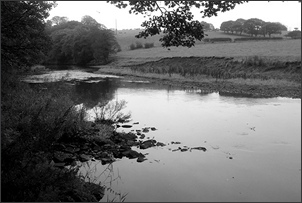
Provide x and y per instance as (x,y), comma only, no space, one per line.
(253,77)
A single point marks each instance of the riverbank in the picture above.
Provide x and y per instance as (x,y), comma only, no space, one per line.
(251,76)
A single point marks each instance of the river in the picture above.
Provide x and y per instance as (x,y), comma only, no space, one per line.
(253,146)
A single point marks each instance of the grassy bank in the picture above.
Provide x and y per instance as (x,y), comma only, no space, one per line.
(33,120)
(258,76)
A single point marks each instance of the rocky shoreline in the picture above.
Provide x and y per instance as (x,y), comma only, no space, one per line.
(67,152)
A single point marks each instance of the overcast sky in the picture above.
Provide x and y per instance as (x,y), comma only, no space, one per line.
(288,13)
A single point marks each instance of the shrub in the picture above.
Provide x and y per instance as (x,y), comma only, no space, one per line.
(294,34)
(257,38)
(132,46)
(149,45)
(139,45)
(218,39)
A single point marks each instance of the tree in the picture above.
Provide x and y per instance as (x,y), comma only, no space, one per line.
(175,20)
(57,20)
(23,40)
(227,26)
(253,26)
(238,26)
(296,34)
(81,43)
(207,26)
(273,28)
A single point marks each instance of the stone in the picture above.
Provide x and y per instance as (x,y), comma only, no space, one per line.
(59,165)
(135,123)
(141,159)
(131,154)
(145,130)
(153,128)
(160,144)
(142,136)
(147,144)
(200,148)
(84,157)
(60,157)
(127,126)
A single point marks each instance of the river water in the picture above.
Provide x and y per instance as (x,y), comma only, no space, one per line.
(253,146)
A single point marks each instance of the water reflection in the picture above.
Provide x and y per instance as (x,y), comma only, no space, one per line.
(90,94)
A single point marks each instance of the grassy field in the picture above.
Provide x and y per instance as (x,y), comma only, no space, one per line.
(284,50)
(126,37)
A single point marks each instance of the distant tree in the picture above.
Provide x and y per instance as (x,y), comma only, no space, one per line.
(89,21)
(23,40)
(272,28)
(227,26)
(81,43)
(57,20)
(296,34)
(253,26)
(175,20)
(237,26)
(207,26)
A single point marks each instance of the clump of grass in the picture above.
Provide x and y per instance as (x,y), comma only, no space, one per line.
(149,45)
(139,45)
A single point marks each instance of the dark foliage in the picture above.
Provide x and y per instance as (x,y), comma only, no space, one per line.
(23,40)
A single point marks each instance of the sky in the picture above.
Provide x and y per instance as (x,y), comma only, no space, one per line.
(288,13)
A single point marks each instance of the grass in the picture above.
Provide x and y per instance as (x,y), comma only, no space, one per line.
(249,71)
(127,37)
(33,119)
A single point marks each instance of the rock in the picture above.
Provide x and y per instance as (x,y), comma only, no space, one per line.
(131,154)
(175,142)
(141,159)
(117,126)
(71,149)
(200,148)
(142,136)
(147,144)
(184,149)
(129,136)
(84,157)
(135,123)
(60,157)
(59,165)
(160,144)
(127,126)
(145,130)
(153,128)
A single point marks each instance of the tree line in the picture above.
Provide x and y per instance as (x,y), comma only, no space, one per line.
(253,27)
(85,42)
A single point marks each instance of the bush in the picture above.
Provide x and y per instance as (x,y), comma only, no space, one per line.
(257,38)
(294,34)
(139,45)
(218,39)
(132,46)
(149,45)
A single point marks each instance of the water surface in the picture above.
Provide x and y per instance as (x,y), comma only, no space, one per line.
(253,147)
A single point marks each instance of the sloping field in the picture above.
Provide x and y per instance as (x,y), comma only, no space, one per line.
(126,37)
(285,50)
